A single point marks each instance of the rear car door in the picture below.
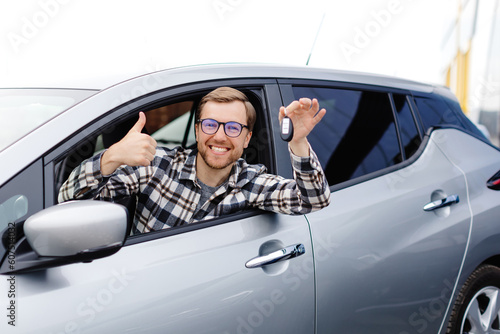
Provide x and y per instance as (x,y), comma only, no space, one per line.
(193,279)
(383,264)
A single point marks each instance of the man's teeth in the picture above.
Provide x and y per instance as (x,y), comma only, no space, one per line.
(219,149)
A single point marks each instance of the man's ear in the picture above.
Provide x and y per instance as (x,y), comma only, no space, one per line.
(247,139)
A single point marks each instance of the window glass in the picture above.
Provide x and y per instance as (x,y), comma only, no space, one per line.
(20,198)
(23,110)
(435,112)
(172,124)
(169,125)
(408,129)
(466,122)
(357,136)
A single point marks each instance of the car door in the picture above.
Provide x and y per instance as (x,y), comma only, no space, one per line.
(193,279)
(383,263)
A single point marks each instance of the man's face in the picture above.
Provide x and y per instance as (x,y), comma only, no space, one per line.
(218,150)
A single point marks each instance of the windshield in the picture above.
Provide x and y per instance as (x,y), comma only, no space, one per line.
(23,110)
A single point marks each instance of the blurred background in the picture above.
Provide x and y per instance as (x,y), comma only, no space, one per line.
(87,44)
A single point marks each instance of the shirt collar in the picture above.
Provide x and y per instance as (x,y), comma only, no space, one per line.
(188,172)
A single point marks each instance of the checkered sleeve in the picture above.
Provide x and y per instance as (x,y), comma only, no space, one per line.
(307,192)
(311,181)
(87,182)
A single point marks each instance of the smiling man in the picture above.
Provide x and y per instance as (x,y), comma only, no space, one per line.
(224,127)
(181,186)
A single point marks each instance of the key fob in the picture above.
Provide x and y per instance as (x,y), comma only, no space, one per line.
(286,129)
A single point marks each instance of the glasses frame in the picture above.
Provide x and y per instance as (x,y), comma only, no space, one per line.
(222,123)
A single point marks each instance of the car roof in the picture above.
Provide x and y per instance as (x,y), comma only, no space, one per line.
(235,70)
(271,71)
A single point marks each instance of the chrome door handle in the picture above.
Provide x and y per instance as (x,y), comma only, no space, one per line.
(453,199)
(279,255)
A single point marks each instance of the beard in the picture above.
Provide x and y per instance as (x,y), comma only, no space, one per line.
(217,162)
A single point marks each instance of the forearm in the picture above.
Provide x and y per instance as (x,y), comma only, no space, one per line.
(300,147)
(109,162)
(83,181)
(87,181)
(307,192)
(311,181)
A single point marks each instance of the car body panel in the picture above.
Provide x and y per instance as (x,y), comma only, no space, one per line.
(465,152)
(383,264)
(194,282)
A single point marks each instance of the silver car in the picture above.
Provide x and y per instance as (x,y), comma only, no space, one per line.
(409,244)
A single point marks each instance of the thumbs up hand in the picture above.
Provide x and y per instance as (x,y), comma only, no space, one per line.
(135,149)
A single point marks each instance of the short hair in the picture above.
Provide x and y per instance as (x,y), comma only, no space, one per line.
(227,95)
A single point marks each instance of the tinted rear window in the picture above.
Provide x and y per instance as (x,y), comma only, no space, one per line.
(357,136)
(435,112)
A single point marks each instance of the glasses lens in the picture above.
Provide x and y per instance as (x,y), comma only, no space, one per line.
(232,129)
(209,126)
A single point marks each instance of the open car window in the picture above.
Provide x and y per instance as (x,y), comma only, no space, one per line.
(171,123)
(172,128)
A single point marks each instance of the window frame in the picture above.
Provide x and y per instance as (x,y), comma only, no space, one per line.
(398,127)
(163,97)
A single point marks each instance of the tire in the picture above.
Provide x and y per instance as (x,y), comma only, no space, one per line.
(477,308)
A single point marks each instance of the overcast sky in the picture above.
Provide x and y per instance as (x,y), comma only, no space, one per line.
(45,42)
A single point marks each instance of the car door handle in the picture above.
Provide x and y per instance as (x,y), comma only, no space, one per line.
(453,199)
(276,256)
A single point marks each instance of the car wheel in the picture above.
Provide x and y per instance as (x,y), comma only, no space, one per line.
(477,309)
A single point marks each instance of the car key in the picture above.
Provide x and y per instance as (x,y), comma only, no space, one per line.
(286,127)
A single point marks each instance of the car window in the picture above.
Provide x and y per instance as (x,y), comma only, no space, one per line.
(466,122)
(169,121)
(408,129)
(170,125)
(435,112)
(357,136)
(20,197)
(23,110)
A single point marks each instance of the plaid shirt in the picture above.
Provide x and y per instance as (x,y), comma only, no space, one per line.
(168,192)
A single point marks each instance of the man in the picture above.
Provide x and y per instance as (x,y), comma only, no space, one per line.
(181,186)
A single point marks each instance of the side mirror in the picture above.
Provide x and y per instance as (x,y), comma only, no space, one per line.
(71,228)
(78,231)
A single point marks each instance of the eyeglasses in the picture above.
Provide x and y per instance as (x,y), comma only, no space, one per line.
(231,129)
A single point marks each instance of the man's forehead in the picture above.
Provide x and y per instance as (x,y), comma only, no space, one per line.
(234,110)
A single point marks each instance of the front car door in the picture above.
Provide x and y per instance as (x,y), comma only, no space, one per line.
(187,280)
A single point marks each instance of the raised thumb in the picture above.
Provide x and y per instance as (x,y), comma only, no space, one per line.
(140,123)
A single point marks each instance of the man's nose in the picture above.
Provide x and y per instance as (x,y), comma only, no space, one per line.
(220,134)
